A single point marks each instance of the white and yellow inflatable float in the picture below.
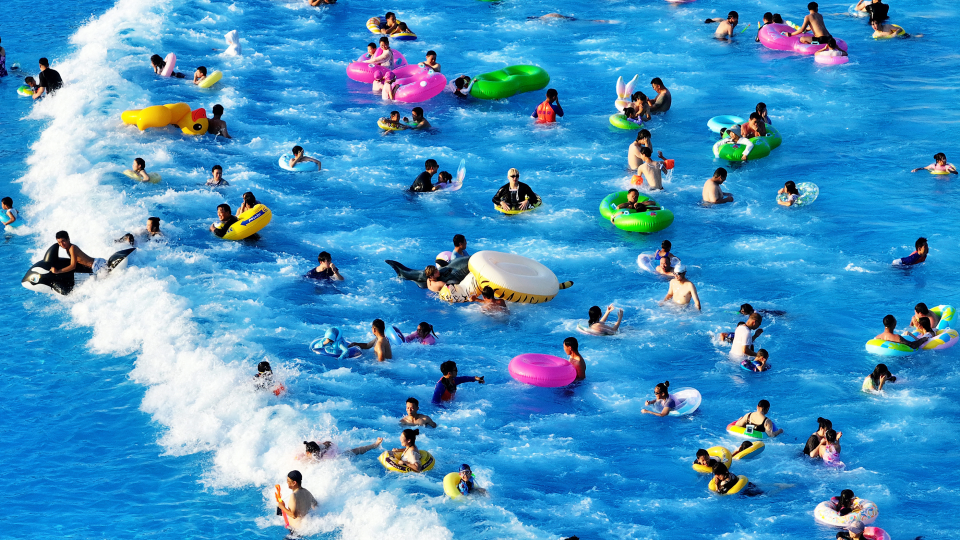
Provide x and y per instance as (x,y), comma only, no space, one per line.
(513,278)
(248,223)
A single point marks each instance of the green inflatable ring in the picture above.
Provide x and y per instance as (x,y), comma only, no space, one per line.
(620,121)
(509,81)
(642,222)
(773,137)
(734,152)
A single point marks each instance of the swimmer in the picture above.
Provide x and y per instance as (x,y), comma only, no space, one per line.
(316,3)
(875,381)
(300,157)
(138,168)
(385,58)
(754,127)
(762,111)
(921,250)
(759,363)
(939,165)
(745,445)
(650,170)
(831,49)
(725,28)
(3,62)
(462,84)
(434,283)
(423,183)
(394,120)
(325,269)
(730,136)
(467,485)
(758,421)
(48,82)
(790,190)
(408,454)
(725,480)
(515,195)
(446,388)
(633,206)
(10,214)
(301,504)
(744,336)
(199,75)
(390,86)
(402,28)
(431,62)
(854,532)
(711,188)
(153,227)
(489,302)
(413,417)
(379,344)
(32,83)
(747,310)
(920,311)
(877,10)
(417,119)
(704,458)
(263,380)
(828,450)
(388,24)
(459,246)
(598,322)
(226,217)
(572,348)
(662,258)
(249,201)
(630,114)
(423,335)
(548,111)
(158,64)
(641,104)
(126,239)
(216,124)
(889,334)
(663,400)
(326,450)
(217,177)
(377,87)
(767,19)
(814,440)
(681,290)
(663,99)
(79,261)
(814,23)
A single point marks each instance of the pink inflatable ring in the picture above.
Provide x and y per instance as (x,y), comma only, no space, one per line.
(417,83)
(542,370)
(361,71)
(774,36)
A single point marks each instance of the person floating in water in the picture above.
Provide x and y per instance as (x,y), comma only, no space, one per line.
(200,75)
(317,451)
(730,136)
(462,86)
(515,195)
(217,177)
(682,291)
(759,362)
(413,417)
(663,258)
(302,503)
(446,388)
(889,334)
(703,458)
(854,532)
(597,320)
(431,62)
(380,344)
(711,188)
(814,23)
(79,261)
(385,58)
(248,202)
(725,28)
(216,124)
(226,217)
(792,194)
(158,64)
(664,400)
(300,157)
(921,311)
(939,165)
(633,203)
(758,421)
(572,348)
(467,486)
(921,250)
(548,111)
(725,480)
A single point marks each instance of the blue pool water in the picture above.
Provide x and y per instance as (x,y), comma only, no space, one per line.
(130,401)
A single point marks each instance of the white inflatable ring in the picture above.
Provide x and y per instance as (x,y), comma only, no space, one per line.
(513,277)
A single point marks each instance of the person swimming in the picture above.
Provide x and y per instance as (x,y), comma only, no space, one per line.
(597,320)
(939,165)
(792,194)
(467,486)
(424,334)
(664,400)
(875,381)
(921,250)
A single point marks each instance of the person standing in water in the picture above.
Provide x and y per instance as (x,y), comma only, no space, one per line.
(725,28)
(380,344)
(446,388)
(301,504)
(681,290)
(814,23)
(216,125)
(548,111)
(663,100)
(711,188)
(572,348)
(413,417)
(49,80)
(10,215)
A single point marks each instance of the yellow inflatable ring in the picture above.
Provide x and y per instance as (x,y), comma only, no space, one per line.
(392,464)
(515,278)
(451,485)
(718,452)
(735,489)
(211,79)
(248,223)
(756,448)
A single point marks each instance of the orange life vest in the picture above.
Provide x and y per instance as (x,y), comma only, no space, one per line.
(545,112)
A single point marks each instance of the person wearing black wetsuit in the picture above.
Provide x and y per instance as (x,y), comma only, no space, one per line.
(513,194)
(424,183)
(226,217)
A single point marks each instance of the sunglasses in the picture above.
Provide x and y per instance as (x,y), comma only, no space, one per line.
(514,176)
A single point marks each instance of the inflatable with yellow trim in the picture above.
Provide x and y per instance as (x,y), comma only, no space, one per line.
(156,116)
(391,462)
(718,452)
(248,223)
(735,489)
(451,483)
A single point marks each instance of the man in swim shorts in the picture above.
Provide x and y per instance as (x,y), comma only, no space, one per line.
(548,111)
(650,170)
(325,269)
(572,348)
(301,504)
(216,125)
(711,188)
(725,28)
(423,182)
(814,23)
(890,334)
(48,82)
(682,291)
(413,417)
(380,344)
(663,99)
(226,217)
(79,261)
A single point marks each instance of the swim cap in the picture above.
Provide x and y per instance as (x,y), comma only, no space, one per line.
(856,527)
(332,333)
(295,476)
(465,467)
(378,74)
(389,75)
(679,269)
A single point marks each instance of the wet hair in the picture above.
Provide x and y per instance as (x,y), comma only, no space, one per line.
(629,112)
(746,309)
(459,239)
(663,386)
(733,15)
(429,271)
(390,15)
(922,309)
(845,499)
(487,293)
(646,151)
(418,111)
(830,435)
(264,367)
(394,113)
(720,469)
(140,161)
(430,164)
(638,95)
(777,18)
(63,235)
(378,324)
(217,110)
(413,400)
(920,242)
(552,94)
(594,314)
(225,207)
(127,238)
(939,156)
(44,62)
(295,476)
(631,191)
(30,80)
(249,198)
(702,453)
(572,343)
(297,149)
(313,448)
(832,42)
(880,371)
(755,317)
(384,41)
(764,404)
(823,423)
(202,70)
(216,168)
(643,134)
(791,187)
(411,435)
(424,329)
(448,366)
(157,60)
(666,245)
(813,6)
(762,107)
(429,53)
(403,26)
(721,172)
(924,324)
(756,116)
(889,321)
(7,201)
(762,353)
(768,17)
(461,82)
(444,176)
(154,223)
(324,257)
(374,45)
(656,81)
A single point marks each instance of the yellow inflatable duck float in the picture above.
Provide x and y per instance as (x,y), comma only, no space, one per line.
(179,114)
